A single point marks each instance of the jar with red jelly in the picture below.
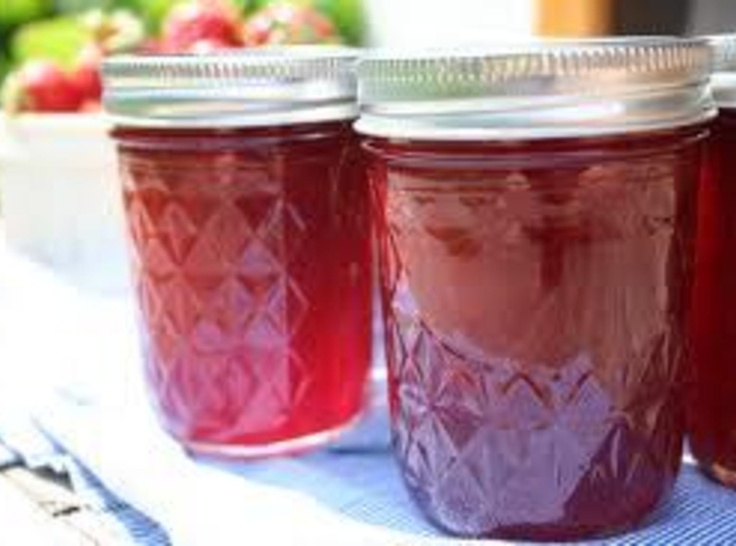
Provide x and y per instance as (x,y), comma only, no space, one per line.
(248,214)
(712,391)
(535,210)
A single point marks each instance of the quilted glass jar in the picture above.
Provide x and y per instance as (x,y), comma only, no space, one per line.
(248,215)
(535,212)
(712,393)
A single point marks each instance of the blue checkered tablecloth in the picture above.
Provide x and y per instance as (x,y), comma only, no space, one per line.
(76,352)
(134,524)
(23,444)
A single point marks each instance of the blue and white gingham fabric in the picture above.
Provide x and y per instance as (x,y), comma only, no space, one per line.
(133,524)
(22,444)
(78,354)
(358,494)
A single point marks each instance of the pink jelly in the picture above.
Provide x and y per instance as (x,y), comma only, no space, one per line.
(712,393)
(252,260)
(535,289)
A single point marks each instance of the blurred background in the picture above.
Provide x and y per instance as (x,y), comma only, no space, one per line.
(62,30)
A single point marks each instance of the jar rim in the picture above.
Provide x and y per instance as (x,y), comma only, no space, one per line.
(537,89)
(231,88)
(723,81)
(724,51)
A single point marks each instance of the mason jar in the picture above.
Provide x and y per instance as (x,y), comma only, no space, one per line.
(248,214)
(712,392)
(535,210)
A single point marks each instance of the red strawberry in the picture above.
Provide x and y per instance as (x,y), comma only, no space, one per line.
(151,46)
(208,46)
(200,20)
(286,23)
(41,86)
(86,74)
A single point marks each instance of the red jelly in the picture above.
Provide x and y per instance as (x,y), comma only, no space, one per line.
(535,290)
(251,249)
(712,400)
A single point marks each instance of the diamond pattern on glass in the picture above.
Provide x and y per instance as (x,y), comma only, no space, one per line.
(489,445)
(252,253)
(530,441)
(216,291)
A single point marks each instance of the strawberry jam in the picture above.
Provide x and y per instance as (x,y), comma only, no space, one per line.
(535,327)
(252,255)
(535,290)
(253,273)
(712,400)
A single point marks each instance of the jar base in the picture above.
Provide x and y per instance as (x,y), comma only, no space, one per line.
(720,474)
(292,446)
(553,533)
(569,534)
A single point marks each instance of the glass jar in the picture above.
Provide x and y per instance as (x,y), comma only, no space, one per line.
(712,392)
(248,213)
(535,214)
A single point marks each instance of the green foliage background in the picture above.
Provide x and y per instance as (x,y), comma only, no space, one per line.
(50,29)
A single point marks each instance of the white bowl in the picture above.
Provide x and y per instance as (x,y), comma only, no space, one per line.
(60,196)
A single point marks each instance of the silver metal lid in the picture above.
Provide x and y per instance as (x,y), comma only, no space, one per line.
(543,89)
(723,81)
(234,88)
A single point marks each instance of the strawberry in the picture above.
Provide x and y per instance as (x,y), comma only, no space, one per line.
(285,23)
(200,20)
(208,46)
(86,74)
(41,86)
(151,46)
